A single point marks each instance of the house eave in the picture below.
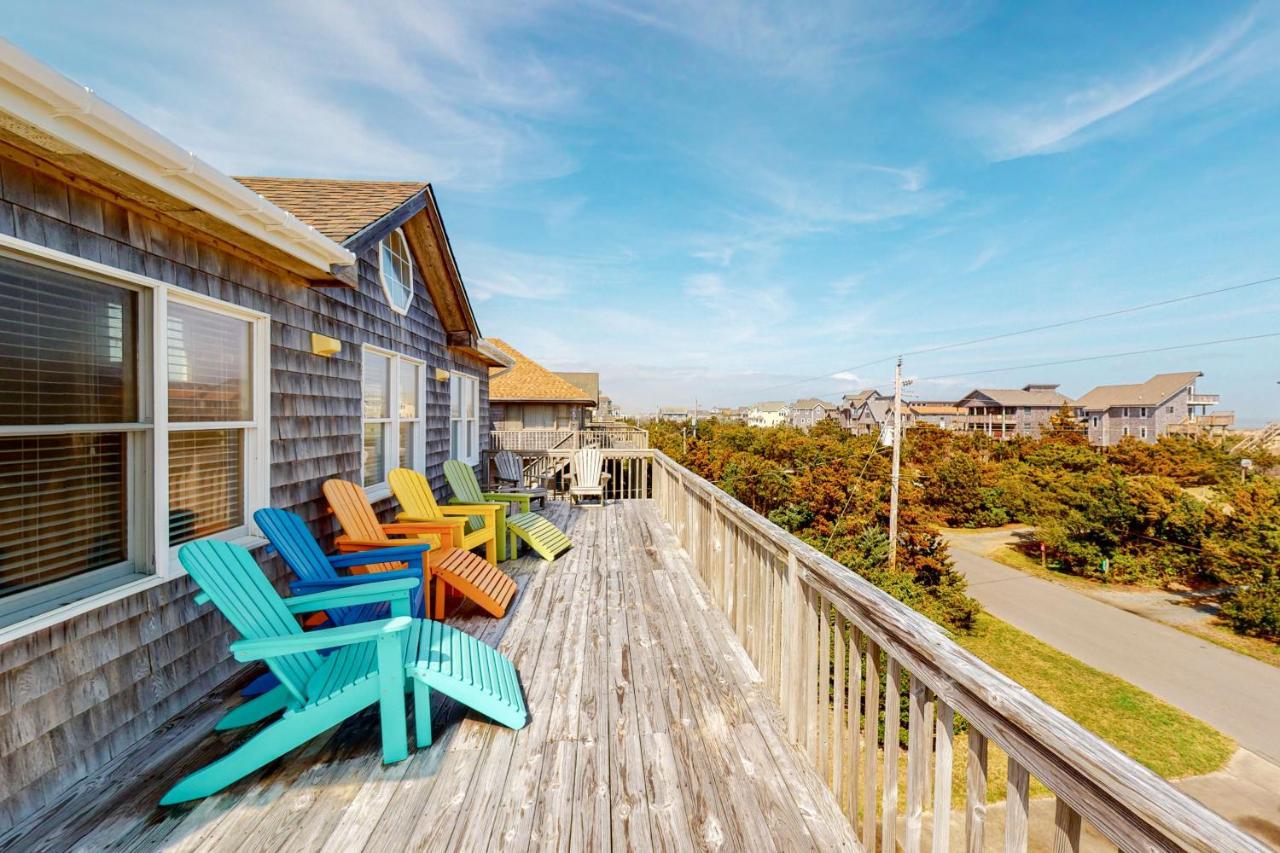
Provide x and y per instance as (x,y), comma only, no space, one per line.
(76,120)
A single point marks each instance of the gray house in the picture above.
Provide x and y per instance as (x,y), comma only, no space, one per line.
(1166,403)
(1006,412)
(805,413)
(177,349)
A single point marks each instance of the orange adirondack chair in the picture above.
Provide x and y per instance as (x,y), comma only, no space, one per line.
(460,570)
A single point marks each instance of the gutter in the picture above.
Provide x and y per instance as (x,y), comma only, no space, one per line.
(74,117)
(497,355)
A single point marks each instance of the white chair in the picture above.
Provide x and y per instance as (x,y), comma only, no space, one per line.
(586,475)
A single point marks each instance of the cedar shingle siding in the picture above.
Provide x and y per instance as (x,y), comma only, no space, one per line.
(76,694)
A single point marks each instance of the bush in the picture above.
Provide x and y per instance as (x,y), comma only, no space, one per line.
(1255,609)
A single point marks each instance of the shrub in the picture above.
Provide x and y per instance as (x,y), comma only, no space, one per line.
(1255,609)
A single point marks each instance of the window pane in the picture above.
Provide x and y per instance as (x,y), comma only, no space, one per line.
(396,270)
(377,385)
(455,397)
(455,446)
(67,348)
(206,482)
(62,507)
(375,453)
(408,390)
(209,364)
(469,397)
(406,445)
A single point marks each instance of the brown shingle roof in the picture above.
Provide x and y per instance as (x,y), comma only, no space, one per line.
(1153,392)
(530,381)
(335,208)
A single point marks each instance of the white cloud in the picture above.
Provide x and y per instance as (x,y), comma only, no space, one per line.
(1068,119)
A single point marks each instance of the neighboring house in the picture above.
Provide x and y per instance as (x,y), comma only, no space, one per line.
(673,414)
(770,414)
(180,349)
(874,415)
(605,409)
(529,398)
(936,413)
(732,414)
(588,382)
(805,413)
(1165,403)
(1006,412)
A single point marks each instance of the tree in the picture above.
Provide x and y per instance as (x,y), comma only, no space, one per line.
(1065,428)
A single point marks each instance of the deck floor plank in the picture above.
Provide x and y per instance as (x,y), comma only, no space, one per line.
(650,729)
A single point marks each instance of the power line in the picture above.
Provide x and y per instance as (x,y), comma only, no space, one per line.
(1058,325)
(1101,357)
(826,549)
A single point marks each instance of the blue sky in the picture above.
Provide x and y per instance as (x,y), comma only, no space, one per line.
(716,199)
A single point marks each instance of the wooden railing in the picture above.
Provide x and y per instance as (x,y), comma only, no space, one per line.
(834,650)
(629,470)
(620,436)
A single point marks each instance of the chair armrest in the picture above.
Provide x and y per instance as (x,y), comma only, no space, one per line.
(471,509)
(397,554)
(410,528)
(304,587)
(406,518)
(346,545)
(313,641)
(506,497)
(369,593)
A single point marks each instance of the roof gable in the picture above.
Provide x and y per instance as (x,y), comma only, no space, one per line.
(337,209)
(1153,392)
(530,382)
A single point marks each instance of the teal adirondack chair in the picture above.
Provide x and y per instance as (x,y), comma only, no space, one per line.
(520,523)
(369,663)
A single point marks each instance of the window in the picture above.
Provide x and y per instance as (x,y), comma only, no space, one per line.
(86,422)
(1126,412)
(1171,410)
(536,415)
(392,409)
(1095,421)
(1142,413)
(395,269)
(1142,431)
(464,418)
(1124,430)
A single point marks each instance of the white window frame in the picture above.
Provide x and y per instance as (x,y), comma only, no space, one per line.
(382,273)
(456,380)
(1142,432)
(152,562)
(381,489)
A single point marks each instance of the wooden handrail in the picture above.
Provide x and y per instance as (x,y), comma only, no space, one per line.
(790,603)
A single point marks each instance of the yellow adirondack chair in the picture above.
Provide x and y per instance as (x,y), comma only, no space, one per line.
(466,573)
(418,505)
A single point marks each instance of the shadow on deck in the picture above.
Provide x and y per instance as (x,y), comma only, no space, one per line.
(649,729)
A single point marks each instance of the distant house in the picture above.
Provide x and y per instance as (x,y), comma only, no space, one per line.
(805,413)
(1006,412)
(730,414)
(588,382)
(874,415)
(673,414)
(605,408)
(1164,404)
(529,397)
(769,414)
(940,414)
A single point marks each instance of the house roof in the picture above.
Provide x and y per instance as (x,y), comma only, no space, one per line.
(770,406)
(812,403)
(338,209)
(861,397)
(1029,395)
(588,382)
(529,381)
(1153,392)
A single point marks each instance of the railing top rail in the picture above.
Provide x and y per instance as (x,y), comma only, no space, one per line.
(1133,806)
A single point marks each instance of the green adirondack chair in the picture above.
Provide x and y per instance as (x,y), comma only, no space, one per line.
(520,523)
(369,663)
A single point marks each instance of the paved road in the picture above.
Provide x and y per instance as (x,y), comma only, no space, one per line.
(1236,694)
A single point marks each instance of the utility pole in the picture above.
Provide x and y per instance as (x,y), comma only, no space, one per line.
(695,417)
(897,465)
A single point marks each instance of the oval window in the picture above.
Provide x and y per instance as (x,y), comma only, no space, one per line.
(395,267)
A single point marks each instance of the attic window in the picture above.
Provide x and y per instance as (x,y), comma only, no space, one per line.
(395,268)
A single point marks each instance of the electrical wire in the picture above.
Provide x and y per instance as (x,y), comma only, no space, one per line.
(1058,325)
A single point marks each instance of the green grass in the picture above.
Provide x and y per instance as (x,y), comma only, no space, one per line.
(1168,741)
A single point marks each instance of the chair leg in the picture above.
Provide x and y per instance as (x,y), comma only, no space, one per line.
(437,610)
(491,551)
(421,714)
(500,535)
(395,738)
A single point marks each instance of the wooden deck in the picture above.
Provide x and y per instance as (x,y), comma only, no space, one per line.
(650,729)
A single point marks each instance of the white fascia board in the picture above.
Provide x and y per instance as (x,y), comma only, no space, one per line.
(75,117)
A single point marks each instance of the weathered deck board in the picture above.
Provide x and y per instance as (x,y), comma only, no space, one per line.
(649,730)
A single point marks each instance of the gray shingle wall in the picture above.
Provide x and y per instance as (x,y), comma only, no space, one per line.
(74,695)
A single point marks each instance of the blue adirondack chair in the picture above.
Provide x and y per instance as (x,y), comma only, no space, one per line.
(318,572)
(372,663)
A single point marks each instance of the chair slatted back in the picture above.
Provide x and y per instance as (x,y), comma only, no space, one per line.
(290,537)
(588,464)
(236,585)
(414,494)
(355,516)
(510,468)
(462,479)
